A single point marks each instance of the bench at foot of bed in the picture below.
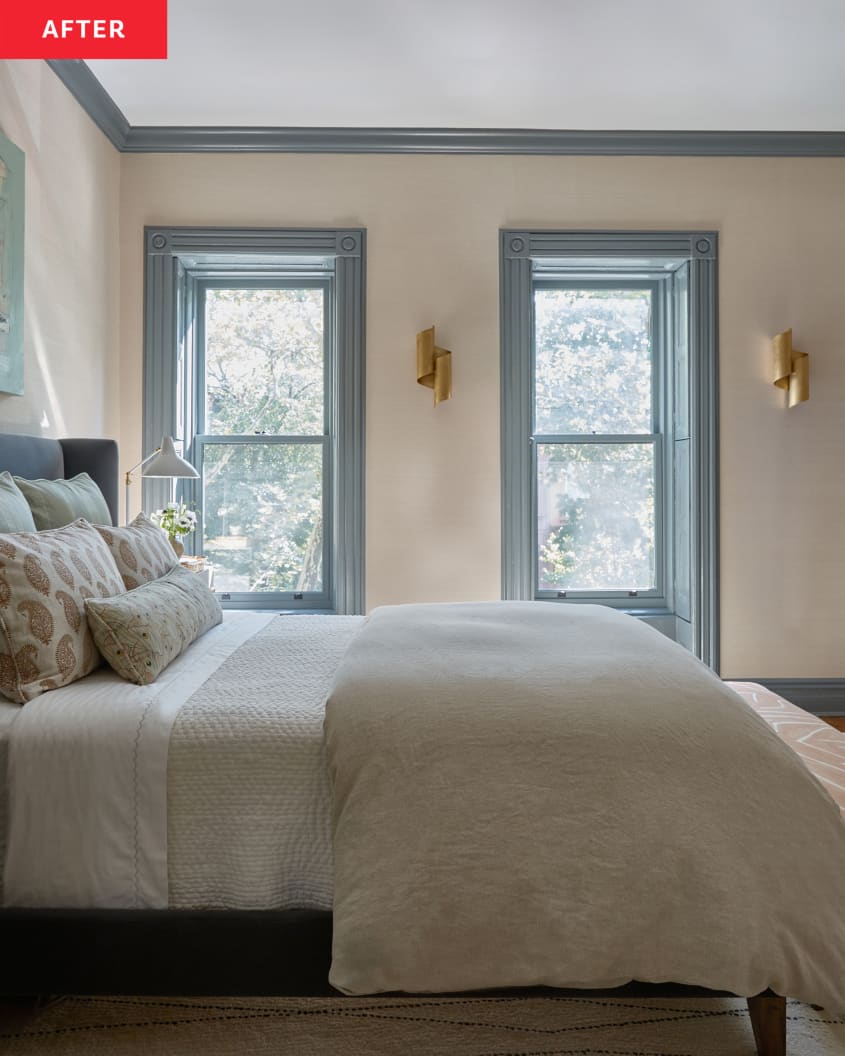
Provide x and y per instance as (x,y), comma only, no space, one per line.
(768,1019)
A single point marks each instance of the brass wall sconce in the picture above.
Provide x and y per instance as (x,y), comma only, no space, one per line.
(434,366)
(791,368)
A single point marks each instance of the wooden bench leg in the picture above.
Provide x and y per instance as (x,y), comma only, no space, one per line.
(768,1019)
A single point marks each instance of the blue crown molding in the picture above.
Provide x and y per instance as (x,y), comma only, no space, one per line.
(166,139)
(93,98)
(181,139)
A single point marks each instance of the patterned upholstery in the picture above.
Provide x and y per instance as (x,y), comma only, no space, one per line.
(141,551)
(820,746)
(45,578)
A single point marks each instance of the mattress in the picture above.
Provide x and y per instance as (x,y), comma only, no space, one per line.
(246,803)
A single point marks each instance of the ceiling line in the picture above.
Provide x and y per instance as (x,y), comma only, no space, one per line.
(93,98)
(157,139)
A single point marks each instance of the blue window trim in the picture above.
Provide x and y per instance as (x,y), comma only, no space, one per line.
(529,257)
(180,263)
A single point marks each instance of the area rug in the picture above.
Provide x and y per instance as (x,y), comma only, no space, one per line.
(459,1026)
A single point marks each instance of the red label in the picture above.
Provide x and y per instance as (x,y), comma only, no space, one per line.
(84,29)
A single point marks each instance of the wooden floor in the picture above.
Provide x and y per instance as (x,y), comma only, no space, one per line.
(836,720)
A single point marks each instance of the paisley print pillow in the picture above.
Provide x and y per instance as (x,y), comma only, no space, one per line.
(141,551)
(45,579)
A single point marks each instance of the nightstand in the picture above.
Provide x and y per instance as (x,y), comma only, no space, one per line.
(201,567)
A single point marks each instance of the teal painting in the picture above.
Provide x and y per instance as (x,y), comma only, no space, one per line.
(11,266)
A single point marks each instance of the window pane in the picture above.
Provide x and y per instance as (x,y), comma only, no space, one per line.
(593,361)
(263,516)
(595,516)
(264,361)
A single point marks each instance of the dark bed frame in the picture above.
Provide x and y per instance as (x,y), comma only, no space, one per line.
(203,952)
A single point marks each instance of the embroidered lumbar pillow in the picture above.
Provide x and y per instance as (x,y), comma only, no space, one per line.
(141,551)
(45,579)
(143,630)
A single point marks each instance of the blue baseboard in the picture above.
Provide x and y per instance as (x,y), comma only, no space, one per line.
(821,696)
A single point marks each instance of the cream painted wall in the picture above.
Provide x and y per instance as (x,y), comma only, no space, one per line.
(71,278)
(433,475)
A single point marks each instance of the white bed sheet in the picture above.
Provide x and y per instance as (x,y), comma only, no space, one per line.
(207,789)
(87,783)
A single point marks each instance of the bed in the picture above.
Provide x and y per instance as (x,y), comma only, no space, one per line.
(256,919)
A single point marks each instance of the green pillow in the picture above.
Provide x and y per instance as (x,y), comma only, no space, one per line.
(15,514)
(55,503)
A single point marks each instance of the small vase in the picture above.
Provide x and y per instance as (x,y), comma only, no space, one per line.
(178,548)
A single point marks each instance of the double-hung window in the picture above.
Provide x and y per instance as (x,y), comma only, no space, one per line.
(597,439)
(609,455)
(262,439)
(254,356)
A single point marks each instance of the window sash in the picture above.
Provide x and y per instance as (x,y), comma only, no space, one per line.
(272,599)
(323,282)
(656,329)
(657,594)
(294,600)
(658,339)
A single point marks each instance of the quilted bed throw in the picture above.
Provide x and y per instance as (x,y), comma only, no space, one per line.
(529,794)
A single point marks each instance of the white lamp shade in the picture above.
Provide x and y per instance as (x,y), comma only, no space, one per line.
(166,463)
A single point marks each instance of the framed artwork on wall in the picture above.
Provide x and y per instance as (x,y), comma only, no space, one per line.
(11,266)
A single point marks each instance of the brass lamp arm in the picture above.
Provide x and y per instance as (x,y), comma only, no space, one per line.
(128,481)
(165,463)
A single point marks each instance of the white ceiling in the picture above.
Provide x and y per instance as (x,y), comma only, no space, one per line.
(558,64)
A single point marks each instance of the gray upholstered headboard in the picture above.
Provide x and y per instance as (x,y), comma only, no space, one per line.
(39,456)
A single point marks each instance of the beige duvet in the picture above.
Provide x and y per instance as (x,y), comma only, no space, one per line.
(536,794)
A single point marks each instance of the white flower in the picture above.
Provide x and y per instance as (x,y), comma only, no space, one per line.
(175,519)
